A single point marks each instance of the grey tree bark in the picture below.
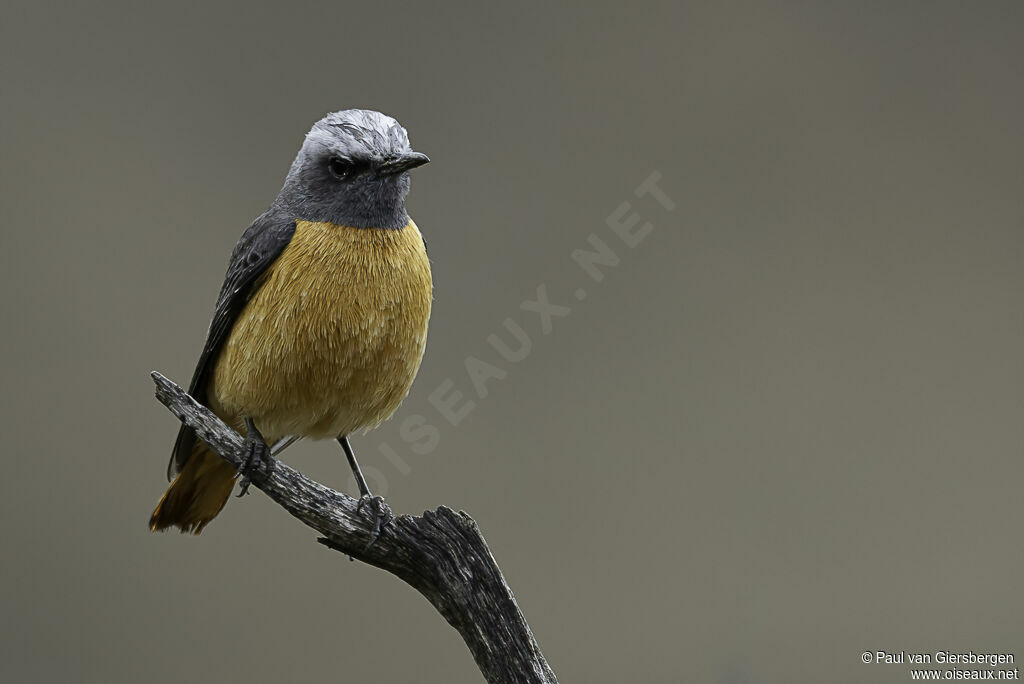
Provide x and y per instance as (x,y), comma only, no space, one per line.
(441,553)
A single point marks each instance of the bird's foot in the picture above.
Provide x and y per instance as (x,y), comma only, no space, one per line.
(382,515)
(257,457)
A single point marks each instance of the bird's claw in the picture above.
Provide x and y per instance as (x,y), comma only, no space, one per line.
(382,516)
(257,454)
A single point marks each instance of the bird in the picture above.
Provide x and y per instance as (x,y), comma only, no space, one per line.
(321,322)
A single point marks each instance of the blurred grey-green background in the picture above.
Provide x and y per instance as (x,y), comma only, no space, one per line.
(785,429)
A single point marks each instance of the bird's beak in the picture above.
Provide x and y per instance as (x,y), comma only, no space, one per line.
(404,163)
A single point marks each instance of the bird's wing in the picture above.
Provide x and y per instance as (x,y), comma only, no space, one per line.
(259,246)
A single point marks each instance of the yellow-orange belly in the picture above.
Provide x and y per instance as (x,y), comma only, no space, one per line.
(332,338)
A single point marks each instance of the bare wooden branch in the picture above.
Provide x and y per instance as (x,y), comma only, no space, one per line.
(441,553)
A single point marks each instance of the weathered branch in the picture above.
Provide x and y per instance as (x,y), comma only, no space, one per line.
(441,554)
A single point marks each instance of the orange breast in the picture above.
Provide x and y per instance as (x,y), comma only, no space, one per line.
(333,336)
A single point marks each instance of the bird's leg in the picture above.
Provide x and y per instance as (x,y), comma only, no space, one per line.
(257,453)
(381,512)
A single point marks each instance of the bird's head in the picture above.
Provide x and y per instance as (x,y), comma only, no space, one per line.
(352,170)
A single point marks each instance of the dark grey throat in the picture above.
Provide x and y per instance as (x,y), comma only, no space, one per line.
(369,202)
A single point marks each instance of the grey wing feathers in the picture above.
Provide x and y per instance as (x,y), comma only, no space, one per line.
(259,246)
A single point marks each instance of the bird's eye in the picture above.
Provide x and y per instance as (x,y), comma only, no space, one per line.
(340,168)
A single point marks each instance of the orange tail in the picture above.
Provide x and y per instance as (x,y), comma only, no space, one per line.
(197,494)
